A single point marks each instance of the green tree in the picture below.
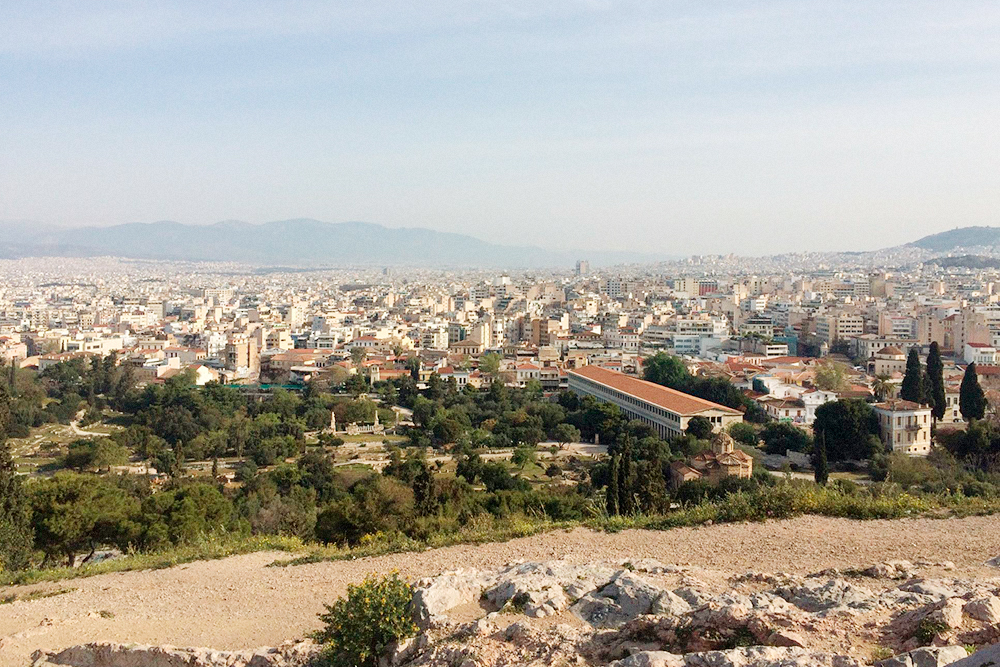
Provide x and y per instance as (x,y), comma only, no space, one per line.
(820,465)
(74,513)
(566,433)
(882,387)
(971,399)
(357,383)
(489,365)
(522,456)
(358,356)
(849,429)
(831,376)
(779,437)
(107,453)
(424,495)
(743,433)
(665,369)
(700,427)
(614,484)
(912,388)
(15,513)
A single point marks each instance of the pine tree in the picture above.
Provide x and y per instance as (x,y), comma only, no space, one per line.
(971,399)
(912,388)
(611,497)
(820,465)
(15,513)
(935,372)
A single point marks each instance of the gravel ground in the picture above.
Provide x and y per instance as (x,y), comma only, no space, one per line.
(239,603)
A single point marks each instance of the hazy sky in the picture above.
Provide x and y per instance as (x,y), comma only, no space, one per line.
(701,126)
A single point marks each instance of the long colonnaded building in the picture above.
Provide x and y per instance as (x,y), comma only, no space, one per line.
(667,410)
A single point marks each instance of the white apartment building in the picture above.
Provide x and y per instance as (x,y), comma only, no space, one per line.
(905,426)
(434,339)
(980,354)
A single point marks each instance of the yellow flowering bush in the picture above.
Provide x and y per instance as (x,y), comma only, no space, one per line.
(360,627)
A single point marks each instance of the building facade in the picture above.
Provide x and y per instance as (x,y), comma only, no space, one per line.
(667,411)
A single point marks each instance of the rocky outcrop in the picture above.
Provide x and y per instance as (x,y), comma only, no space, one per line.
(643,613)
(298,654)
(928,656)
(754,656)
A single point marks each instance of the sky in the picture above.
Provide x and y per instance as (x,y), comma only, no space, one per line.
(703,126)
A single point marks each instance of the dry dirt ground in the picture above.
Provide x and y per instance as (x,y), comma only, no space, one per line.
(238,602)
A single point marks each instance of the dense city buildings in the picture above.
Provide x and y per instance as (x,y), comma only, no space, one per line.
(791,340)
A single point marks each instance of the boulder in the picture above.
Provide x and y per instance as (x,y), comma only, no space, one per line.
(669,604)
(891,569)
(933,588)
(542,589)
(949,613)
(985,608)
(768,656)
(817,595)
(786,638)
(927,656)
(433,596)
(693,596)
(987,657)
(651,659)
(626,597)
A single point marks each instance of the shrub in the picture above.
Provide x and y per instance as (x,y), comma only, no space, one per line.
(360,627)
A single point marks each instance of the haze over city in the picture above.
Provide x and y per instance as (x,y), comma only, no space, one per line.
(684,127)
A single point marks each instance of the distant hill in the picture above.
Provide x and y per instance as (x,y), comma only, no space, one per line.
(296,243)
(963,237)
(967,262)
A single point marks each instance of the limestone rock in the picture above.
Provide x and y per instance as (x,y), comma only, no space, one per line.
(816,595)
(949,613)
(933,588)
(651,659)
(627,596)
(985,608)
(927,656)
(296,654)
(892,569)
(434,596)
(786,638)
(987,657)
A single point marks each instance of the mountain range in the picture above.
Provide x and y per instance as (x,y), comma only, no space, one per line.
(312,243)
(300,242)
(961,237)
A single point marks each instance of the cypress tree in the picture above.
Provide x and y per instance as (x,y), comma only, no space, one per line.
(423,491)
(626,476)
(611,497)
(971,399)
(821,467)
(935,372)
(912,388)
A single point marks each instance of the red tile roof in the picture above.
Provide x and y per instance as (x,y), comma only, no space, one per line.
(669,399)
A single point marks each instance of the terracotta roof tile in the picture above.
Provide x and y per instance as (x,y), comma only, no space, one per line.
(669,399)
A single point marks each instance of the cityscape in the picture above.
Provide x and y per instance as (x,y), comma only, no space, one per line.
(499,334)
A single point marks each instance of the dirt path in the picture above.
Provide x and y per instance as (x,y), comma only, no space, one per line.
(240,603)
